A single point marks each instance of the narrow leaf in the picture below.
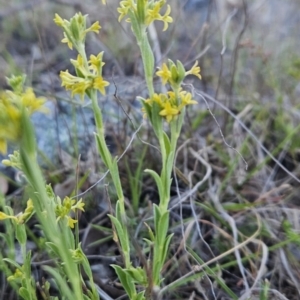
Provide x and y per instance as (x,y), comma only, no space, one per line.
(24,293)
(157,180)
(125,280)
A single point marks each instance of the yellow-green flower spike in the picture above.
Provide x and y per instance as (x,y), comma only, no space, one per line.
(145,12)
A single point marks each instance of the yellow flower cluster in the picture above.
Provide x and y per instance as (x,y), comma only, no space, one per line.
(75,30)
(90,78)
(89,72)
(18,275)
(20,218)
(170,104)
(11,105)
(172,74)
(145,11)
(63,210)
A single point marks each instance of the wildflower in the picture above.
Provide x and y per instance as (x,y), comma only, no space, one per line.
(100,84)
(186,99)
(95,63)
(22,217)
(169,112)
(67,41)
(164,73)
(4,216)
(59,21)
(62,211)
(76,85)
(94,28)
(11,105)
(195,70)
(71,222)
(153,14)
(147,13)
(124,8)
(31,102)
(78,63)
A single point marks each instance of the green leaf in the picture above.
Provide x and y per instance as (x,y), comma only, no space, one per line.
(120,231)
(162,228)
(166,248)
(150,232)
(53,248)
(169,164)
(157,217)
(181,71)
(27,264)
(62,283)
(12,262)
(157,180)
(156,120)
(24,293)
(126,281)
(140,296)
(167,143)
(147,108)
(138,275)
(118,211)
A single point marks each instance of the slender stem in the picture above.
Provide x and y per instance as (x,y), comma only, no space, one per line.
(114,171)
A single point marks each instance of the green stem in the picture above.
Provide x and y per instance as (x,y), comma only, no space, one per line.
(112,166)
(44,208)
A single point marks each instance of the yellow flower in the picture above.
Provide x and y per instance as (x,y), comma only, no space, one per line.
(166,18)
(124,8)
(80,88)
(169,112)
(95,28)
(76,85)
(24,217)
(79,205)
(31,102)
(58,20)
(100,84)
(164,73)
(4,216)
(71,222)
(195,70)
(77,63)
(186,99)
(153,14)
(95,63)
(66,40)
